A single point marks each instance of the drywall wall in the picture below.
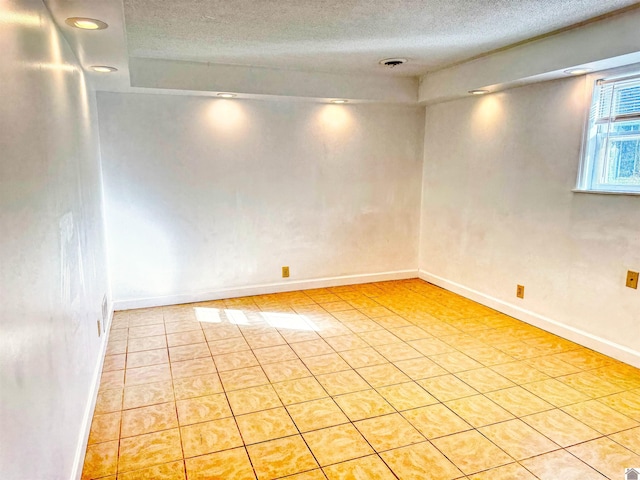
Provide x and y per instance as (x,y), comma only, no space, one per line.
(204,194)
(52,262)
(498,210)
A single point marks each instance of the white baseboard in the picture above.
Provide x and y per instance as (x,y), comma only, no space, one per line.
(264,289)
(83,440)
(607,347)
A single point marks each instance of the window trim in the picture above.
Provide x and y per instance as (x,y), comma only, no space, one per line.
(586,166)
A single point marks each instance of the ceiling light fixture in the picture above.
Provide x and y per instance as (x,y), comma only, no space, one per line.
(86,23)
(103,69)
(478,92)
(392,62)
(227,95)
(339,101)
(577,71)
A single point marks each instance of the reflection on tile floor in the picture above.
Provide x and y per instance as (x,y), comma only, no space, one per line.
(384,380)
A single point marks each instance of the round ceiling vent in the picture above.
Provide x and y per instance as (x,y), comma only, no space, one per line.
(392,62)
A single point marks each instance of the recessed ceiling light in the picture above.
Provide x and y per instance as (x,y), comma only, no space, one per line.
(103,69)
(478,92)
(227,95)
(577,71)
(339,101)
(392,62)
(86,23)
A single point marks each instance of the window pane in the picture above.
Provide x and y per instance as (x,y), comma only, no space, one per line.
(623,161)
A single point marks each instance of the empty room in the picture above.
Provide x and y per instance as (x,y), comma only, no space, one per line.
(307,240)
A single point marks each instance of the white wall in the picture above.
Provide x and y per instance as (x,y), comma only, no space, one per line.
(204,194)
(498,210)
(52,264)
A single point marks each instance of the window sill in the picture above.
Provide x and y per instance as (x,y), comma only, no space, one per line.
(605,192)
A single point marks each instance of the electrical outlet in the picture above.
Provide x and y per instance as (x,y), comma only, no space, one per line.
(632,279)
(520,291)
(99,329)
(285,272)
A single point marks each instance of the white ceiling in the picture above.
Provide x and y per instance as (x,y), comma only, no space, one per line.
(344,36)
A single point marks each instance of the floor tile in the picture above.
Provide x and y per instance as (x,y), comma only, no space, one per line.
(435,421)
(197,386)
(549,465)
(404,396)
(185,338)
(364,468)
(109,400)
(489,356)
(420,368)
(147,394)
(629,439)
(146,343)
(590,384)
(520,372)
(346,342)
(234,361)
(512,471)
(337,444)
(113,379)
(192,368)
(301,390)
(105,427)
(555,392)
(471,452)
(484,380)
(518,401)
(316,414)
(447,387)
(605,456)
(151,374)
(228,345)
(282,457)
(518,439)
(627,403)
(232,464)
(381,375)
(210,437)
(166,471)
(419,462)
(395,352)
(329,363)
(339,383)
(266,425)
(147,330)
(455,362)
(478,410)
(147,358)
(253,399)
(363,404)
(189,352)
(311,348)
(148,450)
(101,460)
(600,417)
(362,357)
(387,347)
(243,378)
(288,370)
(560,427)
(279,353)
(114,362)
(202,409)
(388,431)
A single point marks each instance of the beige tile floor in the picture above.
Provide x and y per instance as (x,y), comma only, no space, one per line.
(377,381)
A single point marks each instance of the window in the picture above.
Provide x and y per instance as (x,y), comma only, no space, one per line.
(611,153)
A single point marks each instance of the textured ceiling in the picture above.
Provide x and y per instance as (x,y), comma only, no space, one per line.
(344,35)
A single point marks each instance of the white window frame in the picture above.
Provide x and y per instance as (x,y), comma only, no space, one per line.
(587,172)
